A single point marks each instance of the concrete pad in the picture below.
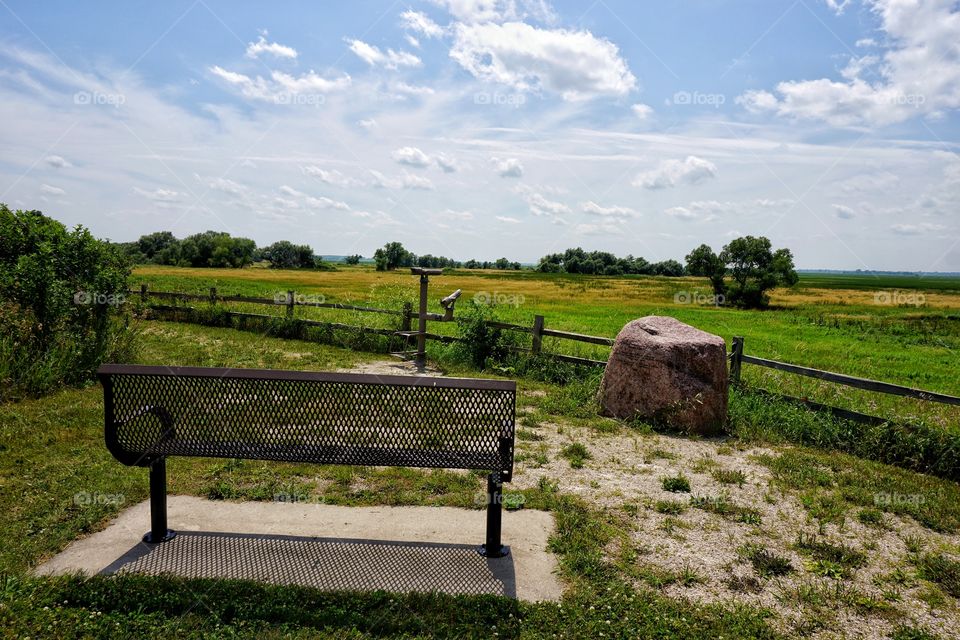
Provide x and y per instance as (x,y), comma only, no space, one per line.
(396,549)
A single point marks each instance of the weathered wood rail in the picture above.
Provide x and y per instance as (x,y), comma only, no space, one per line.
(738,358)
(290,300)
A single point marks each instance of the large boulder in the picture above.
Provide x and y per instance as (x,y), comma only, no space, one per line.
(667,372)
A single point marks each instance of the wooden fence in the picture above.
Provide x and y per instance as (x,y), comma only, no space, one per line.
(738,358)
(290,300)
(538,331)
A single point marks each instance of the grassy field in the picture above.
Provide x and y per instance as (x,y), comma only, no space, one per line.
(631,508)
(868,326)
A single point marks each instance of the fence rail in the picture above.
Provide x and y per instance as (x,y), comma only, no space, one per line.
(738,357)
(537,332)
(289,300)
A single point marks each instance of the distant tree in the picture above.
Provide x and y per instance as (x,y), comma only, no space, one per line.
(160,247)
(286,255)
(471,264)
(354,259)
(393,255)
(216,249)
(668,268)
(703,262)
(501,263)
(754,269)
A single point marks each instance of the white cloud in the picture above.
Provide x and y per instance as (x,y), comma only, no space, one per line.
(599,229)
(159,195)
(916,229)
(682,213)
(508,167)
(594,209)
(57,162)
(540,206)
(447,163)
(413,42)
(917,75)
(671,173)
(224,185)
(837,6)
(254,49)
(369,124)
(374,57)
(575,64)
(311,202)
(331,176)
(411,156)
(642,111)
(281,85)
(507,220)
(419,23)
(497,10)
(405,181)
(51,190)
(843,212)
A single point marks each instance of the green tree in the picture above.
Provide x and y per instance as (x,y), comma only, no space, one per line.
(703,262)
(354,259)
(754,269)
(62,306)
(393,255)
(286,255)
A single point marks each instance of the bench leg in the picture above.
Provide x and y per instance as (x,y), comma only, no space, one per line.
(492,547)
(158,504)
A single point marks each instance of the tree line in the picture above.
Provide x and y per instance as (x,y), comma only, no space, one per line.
(218,249)
(394,255)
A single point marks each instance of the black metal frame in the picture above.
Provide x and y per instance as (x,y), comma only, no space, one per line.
(151,413)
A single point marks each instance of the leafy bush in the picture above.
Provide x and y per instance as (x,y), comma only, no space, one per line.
(481,344)
(61,304)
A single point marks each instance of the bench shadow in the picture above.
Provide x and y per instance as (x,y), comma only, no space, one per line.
(324,563)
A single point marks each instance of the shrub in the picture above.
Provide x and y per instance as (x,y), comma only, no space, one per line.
(576,453)
(676,484)
(61,304)
(481,344)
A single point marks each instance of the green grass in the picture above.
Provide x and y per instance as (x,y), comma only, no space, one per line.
(53,450)
(942,570)
(676,484)
(576,453)
(766,563)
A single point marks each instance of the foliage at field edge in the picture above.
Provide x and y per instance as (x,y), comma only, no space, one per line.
(61,304)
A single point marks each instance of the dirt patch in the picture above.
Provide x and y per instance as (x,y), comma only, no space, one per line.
(696,544)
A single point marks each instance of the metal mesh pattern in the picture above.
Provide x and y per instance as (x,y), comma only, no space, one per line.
(323,563)
(355,419)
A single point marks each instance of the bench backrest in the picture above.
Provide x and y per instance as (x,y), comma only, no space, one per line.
(297,416)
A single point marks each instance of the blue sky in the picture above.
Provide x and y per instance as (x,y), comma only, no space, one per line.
(481,128)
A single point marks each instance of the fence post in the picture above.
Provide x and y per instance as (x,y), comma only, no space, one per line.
(736,359)
(291,300)
(537,334)
(143,292)
(213,295)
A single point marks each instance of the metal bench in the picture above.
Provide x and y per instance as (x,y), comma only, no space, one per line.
(152,413)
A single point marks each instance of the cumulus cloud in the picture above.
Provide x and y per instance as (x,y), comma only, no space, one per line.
(57,162)
(595,209)
(672,173)
(390,59)
(917,75)
(843,212)
(411,156)
(254,49)
(575,64)
(280,86)
(419,23)
(447,163)
(642,111)
(541,206)
(497,10)
(329,176)
(508,167)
